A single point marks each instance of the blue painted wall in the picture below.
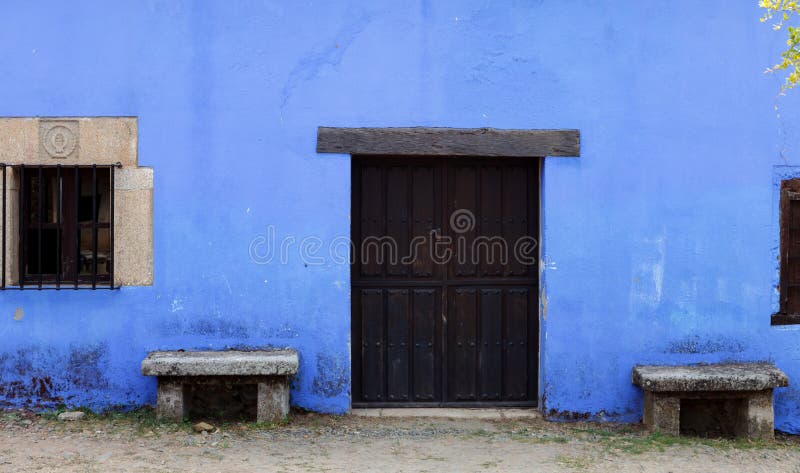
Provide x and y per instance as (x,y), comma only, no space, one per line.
(659,242)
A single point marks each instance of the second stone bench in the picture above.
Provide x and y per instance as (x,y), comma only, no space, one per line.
(270,370)
(737,397)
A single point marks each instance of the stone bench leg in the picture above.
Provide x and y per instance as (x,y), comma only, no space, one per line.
(757,416)
(662,413)
(273,399)
(170,404)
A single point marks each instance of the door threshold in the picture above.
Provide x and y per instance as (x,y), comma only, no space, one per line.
(450,413)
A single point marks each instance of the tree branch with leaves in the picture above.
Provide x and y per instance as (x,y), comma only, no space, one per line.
(782,12)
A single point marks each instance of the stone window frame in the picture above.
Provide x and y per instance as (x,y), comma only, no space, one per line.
(85,141)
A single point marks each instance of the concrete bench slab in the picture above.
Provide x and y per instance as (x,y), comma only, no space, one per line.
(270,370)
(743,388)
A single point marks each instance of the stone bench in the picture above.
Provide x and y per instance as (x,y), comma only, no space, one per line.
(270,370)
(742,390)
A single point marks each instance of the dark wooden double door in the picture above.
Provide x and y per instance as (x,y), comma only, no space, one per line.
(439,316)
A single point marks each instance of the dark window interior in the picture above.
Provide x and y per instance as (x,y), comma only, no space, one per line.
(66,231)
(789,254)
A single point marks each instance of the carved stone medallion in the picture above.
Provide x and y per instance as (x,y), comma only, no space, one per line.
(58,139)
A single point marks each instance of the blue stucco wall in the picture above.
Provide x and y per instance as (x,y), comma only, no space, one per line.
(659,243)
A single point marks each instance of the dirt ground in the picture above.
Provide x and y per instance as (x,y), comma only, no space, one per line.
(136,442)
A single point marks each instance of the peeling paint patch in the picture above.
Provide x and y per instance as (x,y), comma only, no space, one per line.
(648,273)
(544,303)
(696,345)
(548,264)
(177,305)
(85,367)
(554,414)
(218,327)
(575,416)
(18,314)
(39,377)
(331,378)
(36,391)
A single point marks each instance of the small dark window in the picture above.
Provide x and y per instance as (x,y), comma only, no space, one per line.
(65,226)
(790,254)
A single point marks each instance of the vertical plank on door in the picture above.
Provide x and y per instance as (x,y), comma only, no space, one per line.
(397,224)
(372,348)
(398,345)
(425,369)
(462,341)
(516,340)
(515,214)
(490,360)
(492,252)
(462,217)
(372,219)
(423,213)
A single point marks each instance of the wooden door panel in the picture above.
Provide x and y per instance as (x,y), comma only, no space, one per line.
(516,340)
(455,332)
(490,341)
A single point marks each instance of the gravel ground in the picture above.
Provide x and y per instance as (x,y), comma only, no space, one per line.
(136,442)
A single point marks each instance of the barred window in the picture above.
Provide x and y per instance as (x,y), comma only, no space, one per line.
(790,254)
(64,232)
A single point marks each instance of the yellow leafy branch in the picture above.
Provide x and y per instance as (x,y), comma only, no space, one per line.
(781,11)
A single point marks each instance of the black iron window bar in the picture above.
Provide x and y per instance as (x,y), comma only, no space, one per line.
(60,262)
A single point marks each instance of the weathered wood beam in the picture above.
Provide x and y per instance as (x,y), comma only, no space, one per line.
(419,141)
